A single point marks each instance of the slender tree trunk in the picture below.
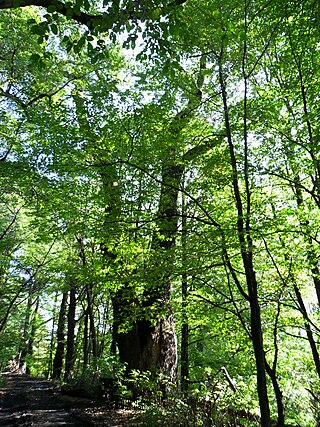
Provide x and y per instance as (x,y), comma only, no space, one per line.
(32,332)
(70,354)
(59,355)
(104,329)
(245,244)
(278,393)
(311,253)
(257,340)
(93,331)
(184,356)
(23,348)
(90,311)
(312,343)
(50,362)
(9,308)
(86,341)
(312,257)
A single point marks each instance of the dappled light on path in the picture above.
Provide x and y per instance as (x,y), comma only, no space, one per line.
(27,401)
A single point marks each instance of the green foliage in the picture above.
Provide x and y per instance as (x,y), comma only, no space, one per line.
(90,134)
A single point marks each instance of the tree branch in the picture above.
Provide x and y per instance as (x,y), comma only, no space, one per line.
(92,22)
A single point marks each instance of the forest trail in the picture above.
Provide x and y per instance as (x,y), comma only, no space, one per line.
(27,401)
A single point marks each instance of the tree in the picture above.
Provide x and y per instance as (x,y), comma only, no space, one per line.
(165,195)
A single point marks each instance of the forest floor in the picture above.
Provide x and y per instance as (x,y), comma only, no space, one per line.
(27,401)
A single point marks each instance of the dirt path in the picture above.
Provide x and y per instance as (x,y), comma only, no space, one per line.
(26,401)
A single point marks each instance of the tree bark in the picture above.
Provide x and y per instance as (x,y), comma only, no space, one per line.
(52,338)
(70,353)
(59,355)
(93,331)
(257,340)
(184,356)
(278,393)
(32,332)
(159,342)
(86,341)
(90,310)
(23,347)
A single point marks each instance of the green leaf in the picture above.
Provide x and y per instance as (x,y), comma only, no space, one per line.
(34,58)
(155,14)
(79,45)
(39,30)
(94,59)
(51,8)
(54,29)
(242,36)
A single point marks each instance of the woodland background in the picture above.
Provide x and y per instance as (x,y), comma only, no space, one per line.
(160,203)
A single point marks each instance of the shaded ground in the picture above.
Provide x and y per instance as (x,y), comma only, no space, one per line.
(27,401)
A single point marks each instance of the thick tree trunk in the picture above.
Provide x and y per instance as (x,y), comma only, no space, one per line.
(59,355)
(159,342)
(158,345)
(125,332)
(149,342)
(70,353)
(145,345)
